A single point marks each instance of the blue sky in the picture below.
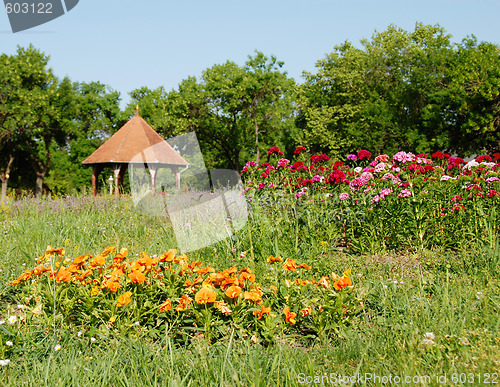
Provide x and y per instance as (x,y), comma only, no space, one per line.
(127,44)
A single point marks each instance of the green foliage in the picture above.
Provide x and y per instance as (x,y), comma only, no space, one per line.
(403,90)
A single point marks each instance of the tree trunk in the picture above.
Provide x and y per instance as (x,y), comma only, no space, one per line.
(4,177)
(39,184)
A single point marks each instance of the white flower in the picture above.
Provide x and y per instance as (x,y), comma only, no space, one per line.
(429,339)
(2,322)
(358,169)
(430,336)
(137,323)
(428,342)
(9,343)
(4,362)
(79,334)
(479,295)
(57,347)
(12,319)
(471,164)
(92,339)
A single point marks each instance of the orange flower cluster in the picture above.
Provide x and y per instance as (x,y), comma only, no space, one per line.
(202,284)
(289,264)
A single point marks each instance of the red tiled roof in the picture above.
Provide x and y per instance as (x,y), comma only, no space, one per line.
(133,142)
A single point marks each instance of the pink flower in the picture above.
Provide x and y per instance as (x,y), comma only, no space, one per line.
(262,185)
(384,192)
(403,157)
(492,179)
(344,196)
(352,157)
(384,158)
(376,199)
(357,183)
(404,193)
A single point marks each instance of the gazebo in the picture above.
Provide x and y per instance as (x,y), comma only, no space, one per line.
(135,143)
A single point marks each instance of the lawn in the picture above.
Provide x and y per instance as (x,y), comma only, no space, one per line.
(367,270)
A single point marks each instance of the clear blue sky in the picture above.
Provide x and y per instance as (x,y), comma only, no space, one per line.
(127,44)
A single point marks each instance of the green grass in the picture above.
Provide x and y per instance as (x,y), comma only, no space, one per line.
(453,294)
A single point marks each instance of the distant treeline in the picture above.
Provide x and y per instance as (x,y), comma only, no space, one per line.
(415,91)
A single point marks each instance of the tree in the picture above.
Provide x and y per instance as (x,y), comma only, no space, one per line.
(401,90)
(235,111)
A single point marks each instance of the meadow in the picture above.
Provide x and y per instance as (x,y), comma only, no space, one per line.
(374,270)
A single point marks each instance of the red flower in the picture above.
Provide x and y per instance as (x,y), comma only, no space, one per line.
(496,156)
(315,159)
(299,150)
(482,158)
(364,154)
(273,149)
(491,193)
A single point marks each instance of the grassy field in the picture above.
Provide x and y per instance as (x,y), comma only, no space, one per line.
(425,314)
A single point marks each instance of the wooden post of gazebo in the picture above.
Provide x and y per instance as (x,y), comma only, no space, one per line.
(134,143)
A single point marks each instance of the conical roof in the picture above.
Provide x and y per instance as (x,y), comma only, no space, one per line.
(135,142)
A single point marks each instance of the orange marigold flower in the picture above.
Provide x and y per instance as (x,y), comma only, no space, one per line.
(233,291)
(26,275)
(305,266)
(247,277)
(262,310)
(183,303)
(137,277)
(113,286)
(222,307)
(108,250)
(306,311)
(289,316)
(195,282)
(97,261)
(59,251)
(228,272)
(273,288)
(205,296)
(145,260)
(253,295)
(124,299)
(229,281)
(168,256)
(272,259)
(166,306)
(64,275)
(81,259)
(121,255)
(245,270)
(342,283)
(290,265)
(206,270)
(324,282)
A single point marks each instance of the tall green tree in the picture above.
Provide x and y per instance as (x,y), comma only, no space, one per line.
(235,111)
(401,90)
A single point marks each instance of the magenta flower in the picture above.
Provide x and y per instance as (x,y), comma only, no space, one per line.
(404,193)
(283,162)
(352,157)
